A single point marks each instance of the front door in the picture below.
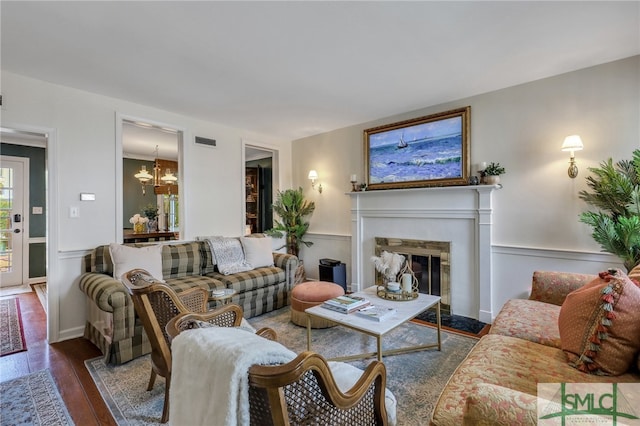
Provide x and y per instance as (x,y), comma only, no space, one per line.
(12,216)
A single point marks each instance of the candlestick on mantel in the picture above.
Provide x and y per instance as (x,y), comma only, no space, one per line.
(354,180)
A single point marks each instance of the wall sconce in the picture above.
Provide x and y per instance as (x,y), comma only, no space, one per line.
(313,175)
(572,143)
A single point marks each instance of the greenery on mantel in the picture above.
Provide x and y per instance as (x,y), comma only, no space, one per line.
(615,192)
(494,169)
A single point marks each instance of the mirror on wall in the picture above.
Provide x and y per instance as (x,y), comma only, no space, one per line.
(151,189)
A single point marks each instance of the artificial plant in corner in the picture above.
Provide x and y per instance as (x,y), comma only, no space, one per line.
(615,192)
(292,209)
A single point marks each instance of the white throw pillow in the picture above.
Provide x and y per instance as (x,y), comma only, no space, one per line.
(127,258)
(257,251)
(229,255)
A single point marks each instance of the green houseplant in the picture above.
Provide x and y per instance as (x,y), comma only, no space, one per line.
(494,169)
(292,209)
(491,174)
(615,192)
(150,211)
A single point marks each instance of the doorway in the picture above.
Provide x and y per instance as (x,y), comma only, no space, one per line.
(151,186)
(23,212)
(260,164)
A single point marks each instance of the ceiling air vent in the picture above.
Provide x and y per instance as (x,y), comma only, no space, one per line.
(205,141)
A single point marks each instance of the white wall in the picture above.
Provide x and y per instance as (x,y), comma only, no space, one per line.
(536,213)
(84,127)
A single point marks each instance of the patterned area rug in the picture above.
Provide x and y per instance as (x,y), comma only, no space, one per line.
(416,379)
(32,400)
(11,332)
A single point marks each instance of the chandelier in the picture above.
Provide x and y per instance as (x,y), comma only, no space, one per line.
(145,178)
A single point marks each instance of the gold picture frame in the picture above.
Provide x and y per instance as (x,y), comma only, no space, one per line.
(421,152)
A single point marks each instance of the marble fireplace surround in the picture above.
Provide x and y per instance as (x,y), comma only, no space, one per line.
(461,215)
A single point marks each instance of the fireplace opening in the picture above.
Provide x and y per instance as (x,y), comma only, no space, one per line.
(429,261)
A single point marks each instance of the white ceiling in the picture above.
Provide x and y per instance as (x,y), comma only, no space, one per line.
(293,69)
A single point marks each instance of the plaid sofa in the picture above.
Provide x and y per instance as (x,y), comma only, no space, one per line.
(112,324)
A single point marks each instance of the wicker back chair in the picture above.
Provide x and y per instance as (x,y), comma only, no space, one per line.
(156,304)
(304,392)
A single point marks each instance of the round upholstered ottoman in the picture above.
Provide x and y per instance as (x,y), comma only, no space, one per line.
(310,294)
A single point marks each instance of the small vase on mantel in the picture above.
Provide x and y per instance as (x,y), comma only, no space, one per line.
(139,228)
(492,179)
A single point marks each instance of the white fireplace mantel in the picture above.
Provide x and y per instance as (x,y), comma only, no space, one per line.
(459,214)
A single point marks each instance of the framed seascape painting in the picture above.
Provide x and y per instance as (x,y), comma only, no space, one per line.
(422,152)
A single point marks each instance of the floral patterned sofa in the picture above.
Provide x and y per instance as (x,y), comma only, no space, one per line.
(112,324)
(497,383)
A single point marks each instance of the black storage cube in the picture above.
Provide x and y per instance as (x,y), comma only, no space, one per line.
(333,271)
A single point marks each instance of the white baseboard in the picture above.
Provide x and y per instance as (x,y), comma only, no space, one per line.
(486,317)
(70,333)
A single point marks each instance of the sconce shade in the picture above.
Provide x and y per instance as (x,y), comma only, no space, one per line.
(572,143)
(313,175)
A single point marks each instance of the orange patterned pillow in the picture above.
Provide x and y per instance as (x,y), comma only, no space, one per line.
(600,324)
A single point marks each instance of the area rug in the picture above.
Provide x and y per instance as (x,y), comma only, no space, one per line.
(32,400)
(11,331)
(41,292)
(416,379)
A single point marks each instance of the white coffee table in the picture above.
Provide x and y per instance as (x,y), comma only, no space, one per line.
(405,310)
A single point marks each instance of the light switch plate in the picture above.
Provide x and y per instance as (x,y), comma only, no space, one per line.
(36,210)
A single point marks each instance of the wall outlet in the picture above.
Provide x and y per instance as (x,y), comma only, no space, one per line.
(36,210)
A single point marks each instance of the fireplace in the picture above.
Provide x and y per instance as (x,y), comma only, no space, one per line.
(429,261)
(460,216)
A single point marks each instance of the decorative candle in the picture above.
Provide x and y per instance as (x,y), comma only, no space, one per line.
(354,178)
(482,165)
(407,281)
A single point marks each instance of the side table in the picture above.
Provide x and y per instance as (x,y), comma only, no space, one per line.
(222,296)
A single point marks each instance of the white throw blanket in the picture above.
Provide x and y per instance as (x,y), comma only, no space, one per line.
(209,384)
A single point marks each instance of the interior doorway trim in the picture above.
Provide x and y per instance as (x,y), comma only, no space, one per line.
(182,135)
(275,158)
(53,294)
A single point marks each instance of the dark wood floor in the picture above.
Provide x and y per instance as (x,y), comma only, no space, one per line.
(65,360)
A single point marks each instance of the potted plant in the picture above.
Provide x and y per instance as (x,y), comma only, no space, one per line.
(292,209)
(615,192)
(492,172)
(150,211)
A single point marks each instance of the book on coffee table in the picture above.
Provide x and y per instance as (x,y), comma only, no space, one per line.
(345,304)
(376,313)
